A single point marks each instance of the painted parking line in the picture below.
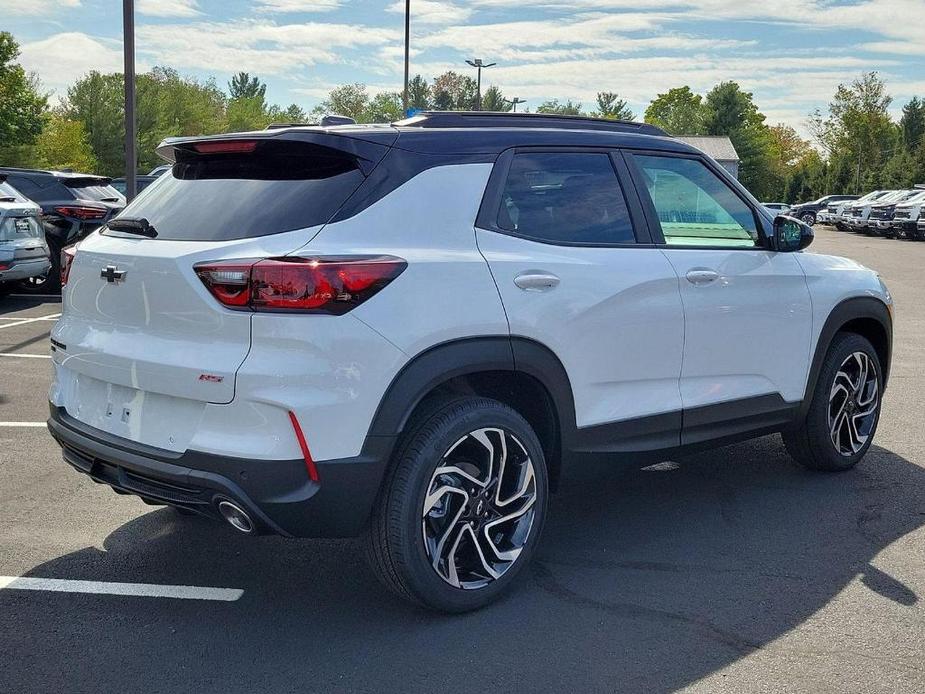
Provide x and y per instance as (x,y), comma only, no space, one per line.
(18,318)
(26,356)
(29,320)
(23,424)
(143,590)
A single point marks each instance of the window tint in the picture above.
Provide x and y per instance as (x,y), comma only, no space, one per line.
(565,198)
(695,207)
(25,186)
(99,193)
(280,187)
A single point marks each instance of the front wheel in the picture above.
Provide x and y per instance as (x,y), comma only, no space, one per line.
(462,510)
(808,218)
(842,419)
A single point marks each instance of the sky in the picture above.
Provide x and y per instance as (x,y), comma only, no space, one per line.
(790,53)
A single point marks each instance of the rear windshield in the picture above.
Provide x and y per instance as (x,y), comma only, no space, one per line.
(281,186)
(9,194)
(19,228)
(98,193)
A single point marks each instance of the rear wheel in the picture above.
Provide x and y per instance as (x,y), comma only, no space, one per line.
(462,510)
(49,283)
(842,418)
(808,218)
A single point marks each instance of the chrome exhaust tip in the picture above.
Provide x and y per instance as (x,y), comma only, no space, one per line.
(236,516)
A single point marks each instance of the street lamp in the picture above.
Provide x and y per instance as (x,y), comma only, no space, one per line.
(128,74)
(477,63)
(517,100)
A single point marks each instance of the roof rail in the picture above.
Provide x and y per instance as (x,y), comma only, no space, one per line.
(495,119)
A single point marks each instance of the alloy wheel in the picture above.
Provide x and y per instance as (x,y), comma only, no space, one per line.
(853,403)
(479,508)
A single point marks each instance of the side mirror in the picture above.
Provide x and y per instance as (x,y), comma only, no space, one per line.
(790,234)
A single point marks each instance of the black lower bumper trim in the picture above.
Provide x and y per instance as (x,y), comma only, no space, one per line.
(277,494)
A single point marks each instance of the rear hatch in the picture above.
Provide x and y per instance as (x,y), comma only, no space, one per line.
(139,326)
(98,192)
(21,235)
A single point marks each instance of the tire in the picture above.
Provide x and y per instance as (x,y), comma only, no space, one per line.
(812,443)
(403,541)
(50,283)
(808,218)
(5,288)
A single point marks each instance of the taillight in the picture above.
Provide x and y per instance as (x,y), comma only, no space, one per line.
(67,257)
(80,212)
(226,147)
(331,285)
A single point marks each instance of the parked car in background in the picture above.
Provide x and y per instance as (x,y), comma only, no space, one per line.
(24,254)
(856,214)
(776,207)
(807,212)
(73,205)
(880,218)
(906,217)
(159,170)
(884,217)
(141,182)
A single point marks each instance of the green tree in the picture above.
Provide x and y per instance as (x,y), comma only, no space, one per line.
(493,100)
(22,106)
(293,113)
(419,93)
(678,111)
(912,124)
(554,106)
(453,92)
(96,101)
(610,105)
(350,100)
(63,144)
(247,113)
(385,107)
(733,112)
(243,86)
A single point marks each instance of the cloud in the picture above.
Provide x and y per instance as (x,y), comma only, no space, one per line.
(38,8)
(291,6)
(63,58)
(261,47)
(168,8)
(432,11)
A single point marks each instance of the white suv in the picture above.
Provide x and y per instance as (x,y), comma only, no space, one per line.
(408,332)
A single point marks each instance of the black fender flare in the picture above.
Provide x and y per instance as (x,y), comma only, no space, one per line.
(860,307)
(441,363)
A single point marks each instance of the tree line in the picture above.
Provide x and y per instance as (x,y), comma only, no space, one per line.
(859,146)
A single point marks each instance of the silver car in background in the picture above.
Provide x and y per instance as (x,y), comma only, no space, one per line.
(23,251)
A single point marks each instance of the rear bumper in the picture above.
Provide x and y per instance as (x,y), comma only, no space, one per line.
(277,494)
(24,269)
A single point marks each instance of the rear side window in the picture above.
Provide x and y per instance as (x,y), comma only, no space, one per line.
(280,186)
(99,193)
(565,198)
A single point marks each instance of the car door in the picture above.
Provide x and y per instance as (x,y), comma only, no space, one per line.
(568,248)
(747,311)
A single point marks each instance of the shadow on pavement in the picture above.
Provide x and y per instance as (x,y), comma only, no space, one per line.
(644,581)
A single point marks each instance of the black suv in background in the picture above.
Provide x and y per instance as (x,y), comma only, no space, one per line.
(73,205)
(807,211)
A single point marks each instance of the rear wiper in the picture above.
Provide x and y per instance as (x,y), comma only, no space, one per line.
(133,225)
(7,199)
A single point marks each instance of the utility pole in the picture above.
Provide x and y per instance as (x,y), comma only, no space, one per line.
(128,72)
(477,63)
(517,100)
(404,100)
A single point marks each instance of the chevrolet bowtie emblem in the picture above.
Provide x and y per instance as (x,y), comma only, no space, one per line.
(112,274)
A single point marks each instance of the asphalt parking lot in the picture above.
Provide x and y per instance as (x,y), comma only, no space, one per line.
(734,571)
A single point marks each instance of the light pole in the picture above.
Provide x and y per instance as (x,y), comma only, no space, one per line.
(128,72)
(477,63)
(517,100)
(404,101)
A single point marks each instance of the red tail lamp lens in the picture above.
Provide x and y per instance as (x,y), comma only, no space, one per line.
(226,147)
(78,212)
(331,285)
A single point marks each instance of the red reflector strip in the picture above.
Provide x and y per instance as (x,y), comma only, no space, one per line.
(309,463)
(226,147)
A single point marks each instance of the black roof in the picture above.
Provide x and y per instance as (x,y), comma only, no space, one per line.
(63,175)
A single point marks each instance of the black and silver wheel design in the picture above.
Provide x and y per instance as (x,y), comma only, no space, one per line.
(479,508)
(841,419)
(853,403)
(463,508)
(808,218)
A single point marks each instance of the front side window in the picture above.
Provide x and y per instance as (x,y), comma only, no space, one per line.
(695,207)
(566,198)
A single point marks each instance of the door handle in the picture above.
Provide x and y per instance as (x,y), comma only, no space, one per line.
(536,281)
(702,276)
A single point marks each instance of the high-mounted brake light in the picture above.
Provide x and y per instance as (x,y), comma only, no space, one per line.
(67,258)
(80,212)
(226,147)
(332,285)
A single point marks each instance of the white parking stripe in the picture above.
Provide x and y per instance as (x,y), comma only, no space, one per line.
(144,590)
(29,320)
(22,424)
(26,356)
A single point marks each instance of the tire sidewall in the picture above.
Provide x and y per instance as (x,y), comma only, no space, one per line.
(424,582)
